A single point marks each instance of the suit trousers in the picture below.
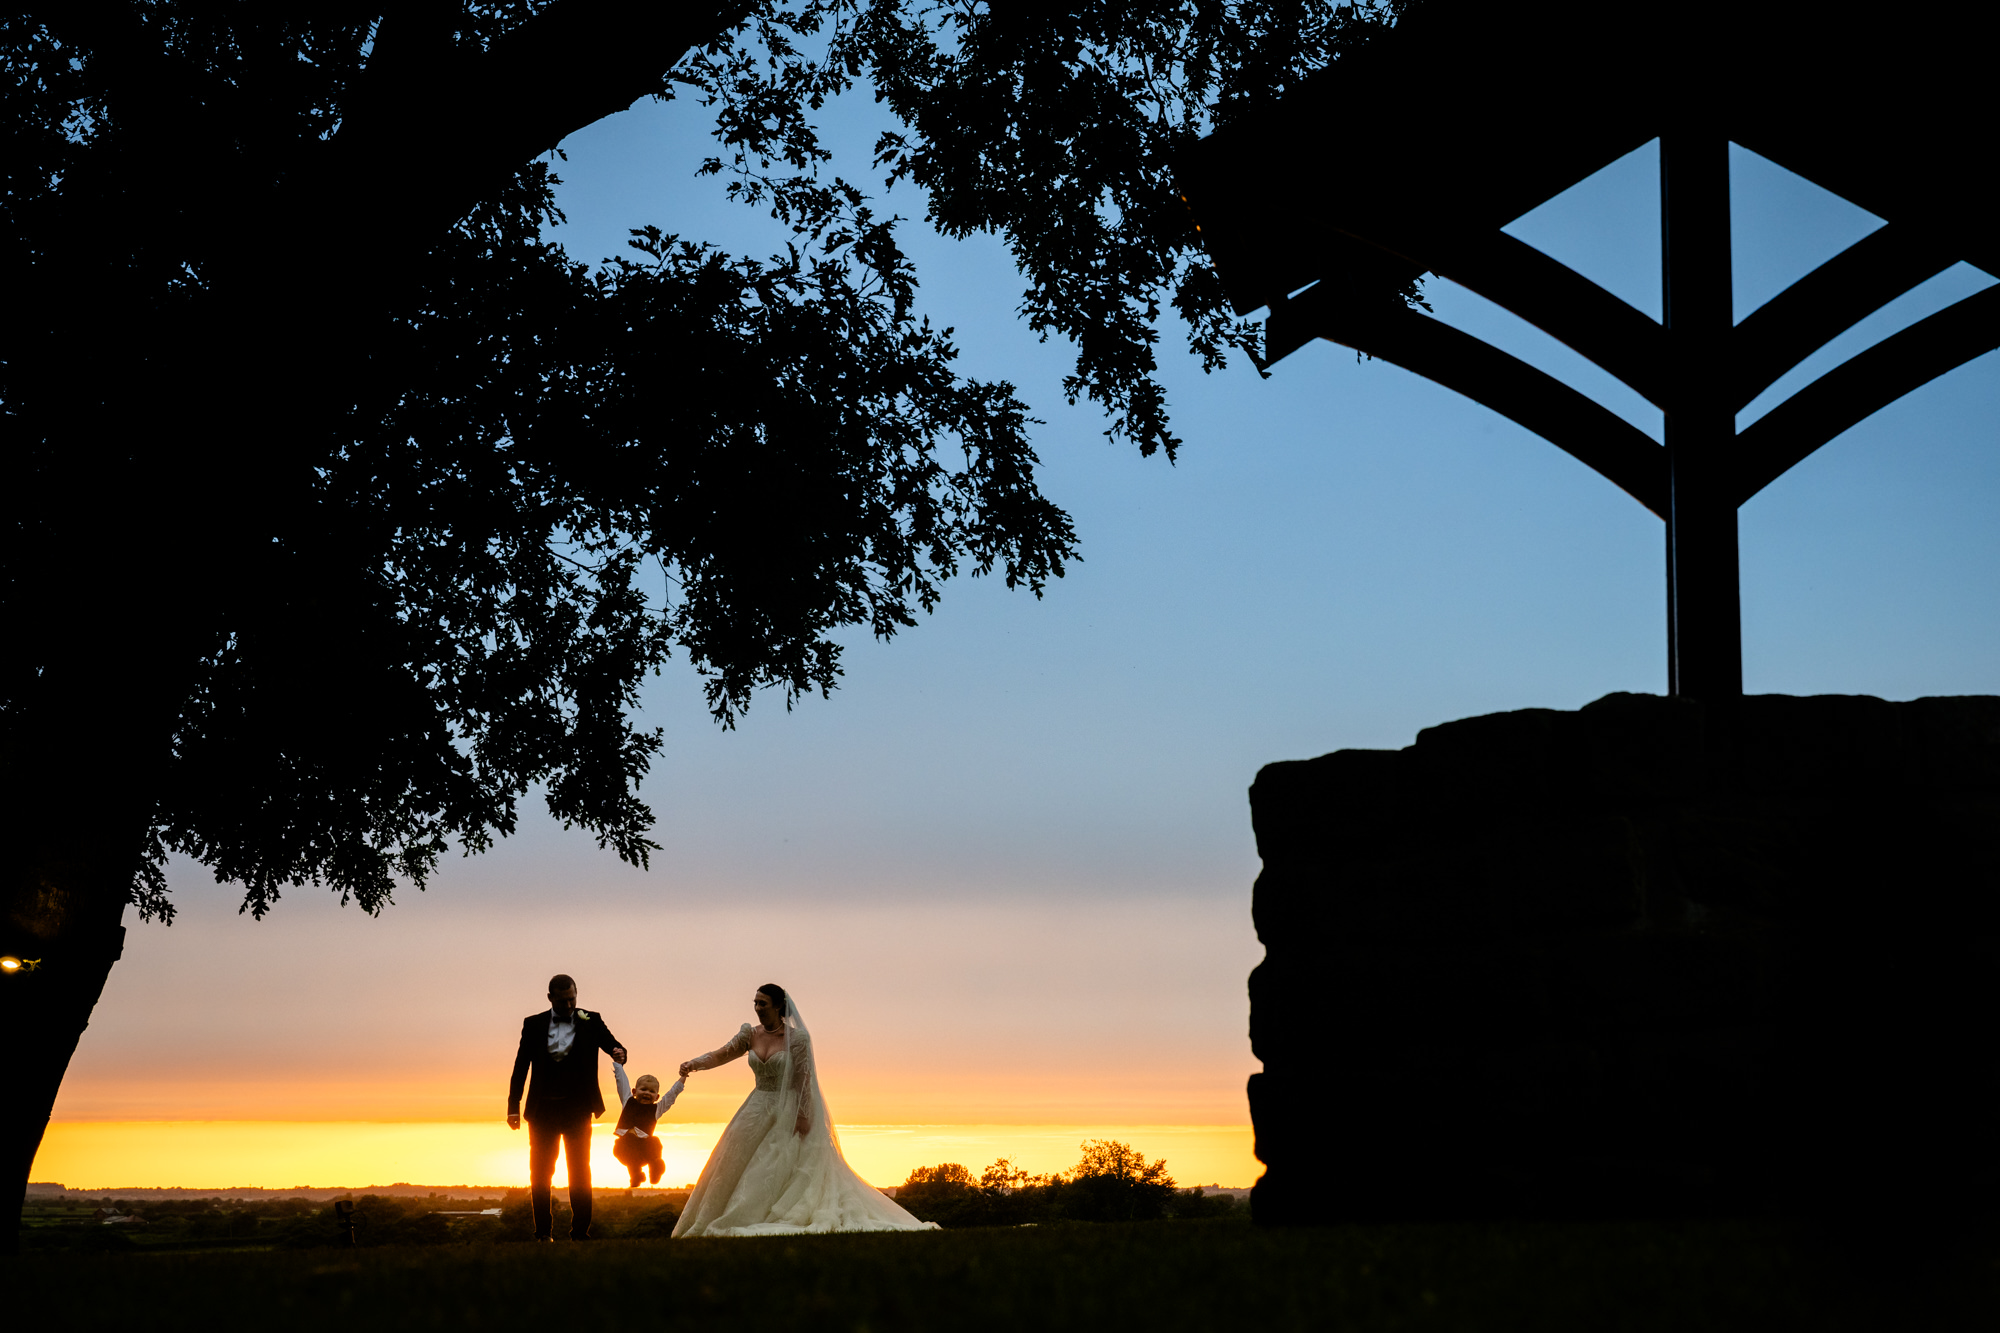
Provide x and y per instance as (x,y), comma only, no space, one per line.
(569,1131)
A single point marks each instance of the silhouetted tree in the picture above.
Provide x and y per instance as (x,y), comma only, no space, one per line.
(949,1174)
(1111,1183)
(340,501)
(1115,1183)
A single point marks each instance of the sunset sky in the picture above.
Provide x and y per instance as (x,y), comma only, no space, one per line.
(1006,869)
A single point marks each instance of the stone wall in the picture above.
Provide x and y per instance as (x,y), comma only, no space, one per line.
(1601,963)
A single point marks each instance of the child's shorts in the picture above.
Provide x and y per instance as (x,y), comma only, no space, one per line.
(635,1151)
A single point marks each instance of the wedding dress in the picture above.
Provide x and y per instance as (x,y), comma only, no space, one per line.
(764,1178)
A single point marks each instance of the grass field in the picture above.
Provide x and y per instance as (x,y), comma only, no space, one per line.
(1207,1275)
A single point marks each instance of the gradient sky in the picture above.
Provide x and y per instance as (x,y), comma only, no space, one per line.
(1006,868)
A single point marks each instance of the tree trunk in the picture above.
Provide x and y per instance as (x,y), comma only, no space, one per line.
(84,736)
(80,761)
(64,921)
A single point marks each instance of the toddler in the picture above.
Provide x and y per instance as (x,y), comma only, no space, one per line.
(634,1143)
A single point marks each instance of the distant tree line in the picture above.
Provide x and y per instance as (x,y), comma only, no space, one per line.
(174,1223)
(1112,1183)
(304,1224)
(407,1221)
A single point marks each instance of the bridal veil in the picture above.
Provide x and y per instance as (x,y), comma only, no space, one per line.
(765,1179)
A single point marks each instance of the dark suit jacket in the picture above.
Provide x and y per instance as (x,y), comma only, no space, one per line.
(565,1087)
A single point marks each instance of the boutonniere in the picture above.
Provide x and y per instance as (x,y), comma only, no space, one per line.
(582,1017)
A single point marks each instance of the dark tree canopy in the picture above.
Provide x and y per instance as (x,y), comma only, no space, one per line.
(344,508)
(315,431)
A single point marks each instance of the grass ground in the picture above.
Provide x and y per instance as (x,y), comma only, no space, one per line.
(1154,1276)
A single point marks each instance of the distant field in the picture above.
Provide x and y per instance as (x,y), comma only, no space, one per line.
(1206,1275)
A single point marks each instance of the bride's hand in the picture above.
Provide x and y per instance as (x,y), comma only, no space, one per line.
(802,1126)
(687,1067)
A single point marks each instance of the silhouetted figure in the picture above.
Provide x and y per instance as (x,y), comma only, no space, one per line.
(560,1044)
(343,1217)
(777,1169)
(640,1107)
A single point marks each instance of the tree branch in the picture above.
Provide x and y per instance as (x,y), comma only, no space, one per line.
(440,135)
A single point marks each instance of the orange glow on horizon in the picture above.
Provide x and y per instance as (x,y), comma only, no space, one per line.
(272,1154)
(365,1053)
(937,1094)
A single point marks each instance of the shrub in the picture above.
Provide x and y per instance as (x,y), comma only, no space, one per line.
(946,1195)
(1191,1204)
(1112,1183)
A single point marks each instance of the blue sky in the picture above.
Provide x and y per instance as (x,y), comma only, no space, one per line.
(1343,555)
(1015,844)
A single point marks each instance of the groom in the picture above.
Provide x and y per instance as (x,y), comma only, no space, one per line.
(561,1046)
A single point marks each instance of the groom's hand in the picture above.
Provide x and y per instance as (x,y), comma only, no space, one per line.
(513,1120)
(618,1054)
(802,1126)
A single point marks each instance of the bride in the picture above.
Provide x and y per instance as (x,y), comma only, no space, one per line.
(778,1170)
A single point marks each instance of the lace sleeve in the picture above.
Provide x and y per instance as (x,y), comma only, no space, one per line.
(802,1074)
(733,1049)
